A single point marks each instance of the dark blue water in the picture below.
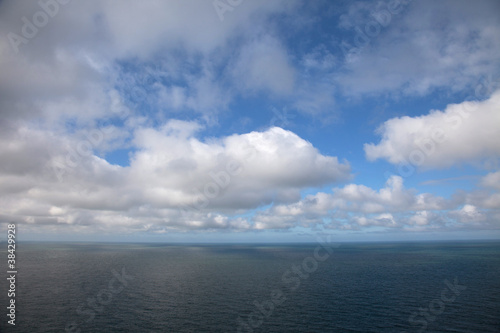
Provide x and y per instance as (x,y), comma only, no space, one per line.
(391,287)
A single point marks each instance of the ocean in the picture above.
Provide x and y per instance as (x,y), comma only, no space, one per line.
(347,287)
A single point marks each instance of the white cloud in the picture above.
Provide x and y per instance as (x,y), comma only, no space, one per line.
(156,193)
(487,196)
(174,180)
(354,206)
(357,207)
(102,75)
(491,180)
(426,46)
(468,214)
(462,133)
(239,171)
(263,65)
(72,65)
(165,22)
(421,218)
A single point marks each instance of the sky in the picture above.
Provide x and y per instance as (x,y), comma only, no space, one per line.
(250,121)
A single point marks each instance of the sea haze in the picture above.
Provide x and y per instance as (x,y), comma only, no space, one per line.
(353,287)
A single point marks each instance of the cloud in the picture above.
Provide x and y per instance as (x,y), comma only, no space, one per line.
(263,65)
(238,171)
(72,65)
(487,196)
(468,214)
(358,207)
(355,205)
(162,21)
(127,29)
(491,180)
(105,77)
(425,46)
(176,182)
(174,179)
(462,133)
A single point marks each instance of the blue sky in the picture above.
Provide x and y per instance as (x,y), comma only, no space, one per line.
(245,121)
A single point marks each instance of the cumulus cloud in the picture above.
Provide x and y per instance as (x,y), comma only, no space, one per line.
(357,207)
(239,171)
(468,214)
(173,178)
(176,181)
(462,133)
